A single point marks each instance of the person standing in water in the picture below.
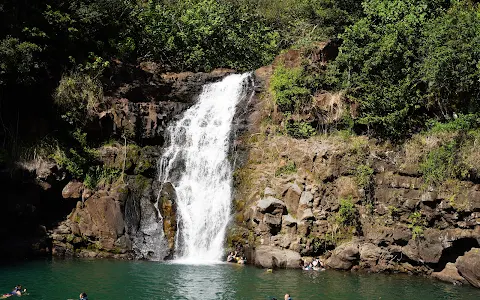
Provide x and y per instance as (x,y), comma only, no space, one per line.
(287,297)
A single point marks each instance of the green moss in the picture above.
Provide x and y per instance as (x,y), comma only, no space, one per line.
(77,218)
(143,165)
(142,182)
(70,238)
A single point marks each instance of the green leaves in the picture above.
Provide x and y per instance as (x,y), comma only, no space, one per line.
(410,59)
(450,56)
(206,34)
(289,88)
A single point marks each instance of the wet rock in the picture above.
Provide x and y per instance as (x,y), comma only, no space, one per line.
(450,274)
(273,257)
(469,266)
(168,210)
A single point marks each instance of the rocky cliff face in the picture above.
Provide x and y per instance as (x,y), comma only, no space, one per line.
(114,218)
(358,203)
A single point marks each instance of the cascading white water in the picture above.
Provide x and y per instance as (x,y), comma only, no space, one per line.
(196,163)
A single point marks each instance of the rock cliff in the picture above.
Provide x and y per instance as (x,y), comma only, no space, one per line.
(359,203)
(53,214)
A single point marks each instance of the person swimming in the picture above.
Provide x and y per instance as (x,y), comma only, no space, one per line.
(17,291)
(83,296)
(287,297)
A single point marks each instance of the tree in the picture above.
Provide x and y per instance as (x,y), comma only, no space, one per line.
(450,67)
(378,64)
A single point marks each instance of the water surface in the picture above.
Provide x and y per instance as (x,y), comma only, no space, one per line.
(104,279)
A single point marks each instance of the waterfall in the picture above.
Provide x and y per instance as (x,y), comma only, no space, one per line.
(196,163)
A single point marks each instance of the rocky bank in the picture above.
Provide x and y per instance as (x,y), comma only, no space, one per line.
(359,203)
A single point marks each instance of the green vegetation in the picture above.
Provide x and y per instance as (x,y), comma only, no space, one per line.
(410,59)
(347,213)
(289,168)
(403,67)
(417,224)
(300,129)
(440,164)
(289,88)
(363,176)
(77,95)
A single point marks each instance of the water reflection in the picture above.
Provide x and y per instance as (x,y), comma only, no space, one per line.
(201,282)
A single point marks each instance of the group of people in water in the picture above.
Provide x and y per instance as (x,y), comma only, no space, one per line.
(316,265)
(233,257)
(19,291)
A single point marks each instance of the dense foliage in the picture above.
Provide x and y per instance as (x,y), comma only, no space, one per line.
(408,61)
(405,63)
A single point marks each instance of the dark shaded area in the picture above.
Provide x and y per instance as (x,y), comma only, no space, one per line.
(458,248)
(28,210)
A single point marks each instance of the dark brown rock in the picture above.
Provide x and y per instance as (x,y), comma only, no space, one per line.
(167,206)
(344,256)
(450,274)
(469,266)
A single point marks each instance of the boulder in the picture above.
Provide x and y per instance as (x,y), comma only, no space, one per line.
(306,203)
(450,274)
(344,256)
(273,257)
(271,205)
(101,219)
(469,266)
(73,190)
(269,192)
(291,196)
(307,214)
(371,253)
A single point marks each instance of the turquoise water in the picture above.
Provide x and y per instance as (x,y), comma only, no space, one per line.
(103,279)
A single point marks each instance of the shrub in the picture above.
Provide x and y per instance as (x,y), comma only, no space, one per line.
(300,129)
(101,175)
(363,176)
(440,164)
(76,96)
(347,213)
(461,123)
(288,87)
(417,224)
